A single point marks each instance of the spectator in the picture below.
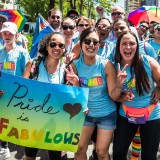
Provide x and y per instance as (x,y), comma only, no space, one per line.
(139,100)
(55,19)
(142,30)
(73,14)
(15,55)
(152,24)
(2,20)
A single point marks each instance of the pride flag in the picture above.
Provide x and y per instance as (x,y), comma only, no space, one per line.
(15,16)
(42,29)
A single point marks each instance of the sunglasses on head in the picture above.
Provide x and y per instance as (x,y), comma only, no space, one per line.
(82,25)
(68,27)
(55,17)
(54,44)
(88,42)
(73,17)
(143,26)
(116,13)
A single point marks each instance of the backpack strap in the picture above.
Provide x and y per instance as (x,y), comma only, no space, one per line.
(35,67)
(145,48)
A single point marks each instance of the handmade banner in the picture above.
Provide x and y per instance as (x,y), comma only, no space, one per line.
(41,115)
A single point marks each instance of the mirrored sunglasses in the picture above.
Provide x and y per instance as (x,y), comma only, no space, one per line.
(143,26)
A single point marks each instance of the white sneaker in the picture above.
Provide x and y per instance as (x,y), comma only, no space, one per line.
(4,153)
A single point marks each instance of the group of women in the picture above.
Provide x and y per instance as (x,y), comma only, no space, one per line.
(126,76)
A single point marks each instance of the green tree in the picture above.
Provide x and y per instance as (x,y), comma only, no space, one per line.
(84,7)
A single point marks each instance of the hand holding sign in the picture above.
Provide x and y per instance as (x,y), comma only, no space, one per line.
(121,75)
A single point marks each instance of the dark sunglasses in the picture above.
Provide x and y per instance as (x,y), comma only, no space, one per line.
(101,26)
(143,26)
(158,29)
(68,27)
(116,13)
(55,17)
(82,25)
(116,29)
(88,42)
(54,44)
(73,17)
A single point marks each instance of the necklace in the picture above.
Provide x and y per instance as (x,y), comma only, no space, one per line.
(52,77)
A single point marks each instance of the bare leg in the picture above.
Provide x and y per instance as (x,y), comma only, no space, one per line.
(83,143)
(104,138)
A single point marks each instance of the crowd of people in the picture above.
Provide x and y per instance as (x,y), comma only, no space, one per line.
(123,61)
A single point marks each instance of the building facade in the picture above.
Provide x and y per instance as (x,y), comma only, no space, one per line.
(131,5)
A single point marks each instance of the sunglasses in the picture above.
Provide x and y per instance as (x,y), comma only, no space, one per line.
(143,26)
(88,42)
(116,13)
(68,27)
(158,29)
(102,26)
(73,17)
(82,25)
(116,29)
(55,17)
(54,44)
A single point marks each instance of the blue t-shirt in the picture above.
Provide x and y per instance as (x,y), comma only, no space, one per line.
(156,47)
(106,50)
(144,100)
(94,78)
(1,43)
(14,61)
(56,78)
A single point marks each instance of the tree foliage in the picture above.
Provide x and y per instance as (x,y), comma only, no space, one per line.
(84,7)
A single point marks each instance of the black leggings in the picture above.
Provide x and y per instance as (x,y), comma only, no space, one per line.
(125,132)
(32,152)
(4,144)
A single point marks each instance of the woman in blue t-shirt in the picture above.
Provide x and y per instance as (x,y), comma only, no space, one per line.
(139,100)
(99,76)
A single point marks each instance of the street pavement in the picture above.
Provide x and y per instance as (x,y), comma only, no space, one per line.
(17,153)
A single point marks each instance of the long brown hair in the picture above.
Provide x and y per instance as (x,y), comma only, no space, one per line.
(142,80)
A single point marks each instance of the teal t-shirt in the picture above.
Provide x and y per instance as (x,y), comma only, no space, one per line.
(140,101)
(94,78)
(14,61)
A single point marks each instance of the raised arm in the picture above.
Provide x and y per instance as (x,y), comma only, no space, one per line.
(115,82)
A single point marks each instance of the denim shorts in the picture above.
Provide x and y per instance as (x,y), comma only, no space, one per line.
(107,122)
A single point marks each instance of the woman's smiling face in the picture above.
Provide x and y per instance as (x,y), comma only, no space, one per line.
(90,44)
(128,47)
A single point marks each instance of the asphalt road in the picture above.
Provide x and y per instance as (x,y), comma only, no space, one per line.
(17,153)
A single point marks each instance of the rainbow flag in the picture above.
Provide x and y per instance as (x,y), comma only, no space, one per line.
(42,29)
(15,16)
